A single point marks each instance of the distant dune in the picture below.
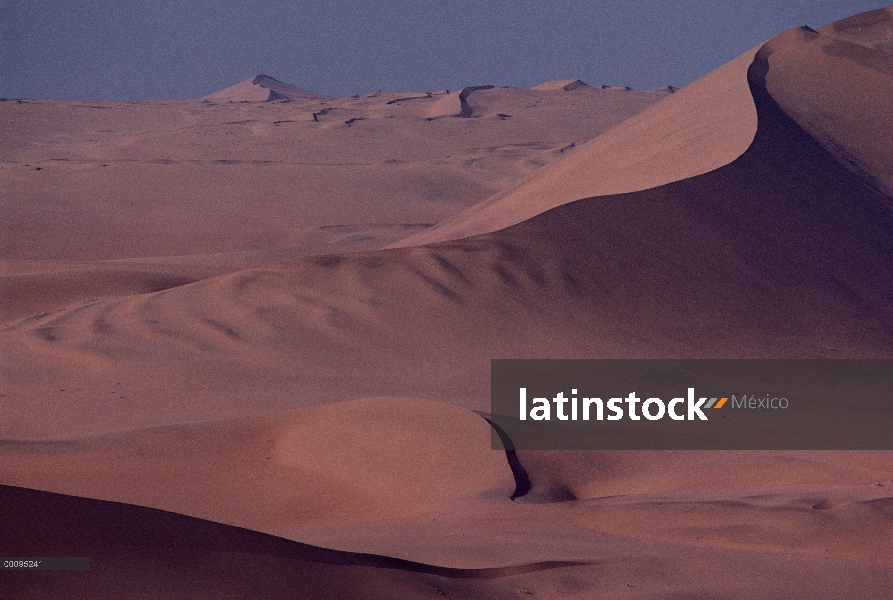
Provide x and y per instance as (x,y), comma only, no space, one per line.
(261,89)
(560,84)
(330,399)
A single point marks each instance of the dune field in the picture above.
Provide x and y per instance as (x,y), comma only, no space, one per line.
(246,339)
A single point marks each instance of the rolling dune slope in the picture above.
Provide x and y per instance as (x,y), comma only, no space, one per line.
(358,461)
(137,552)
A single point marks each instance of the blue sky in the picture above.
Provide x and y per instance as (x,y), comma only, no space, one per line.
(166,49)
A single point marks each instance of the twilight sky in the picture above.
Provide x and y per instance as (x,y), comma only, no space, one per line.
(154,49)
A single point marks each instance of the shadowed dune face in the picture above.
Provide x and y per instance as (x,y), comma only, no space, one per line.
(138,552)
(839,92)
(715,539)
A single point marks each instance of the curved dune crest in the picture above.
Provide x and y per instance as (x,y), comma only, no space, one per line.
(260,88)
(700,128)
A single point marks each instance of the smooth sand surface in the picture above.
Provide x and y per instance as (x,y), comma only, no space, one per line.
(330,400)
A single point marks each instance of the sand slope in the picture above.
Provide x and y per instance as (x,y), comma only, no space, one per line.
(136,552)
(873,29)
(136,197)
(839,92)
(143,553)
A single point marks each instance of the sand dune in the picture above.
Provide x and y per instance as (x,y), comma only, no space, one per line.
(137,552)
(828,516)
(31,288)
(359,461)
(747,215)
(397,477)
(143,553)
(839,92)
(186,190)
(705,126)
(560,84)
(261,88)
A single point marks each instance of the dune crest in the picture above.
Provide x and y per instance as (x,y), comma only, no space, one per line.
(698,129)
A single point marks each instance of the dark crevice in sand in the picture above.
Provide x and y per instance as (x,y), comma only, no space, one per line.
(522,480)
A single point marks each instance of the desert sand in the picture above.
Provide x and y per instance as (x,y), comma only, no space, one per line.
(246,338)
